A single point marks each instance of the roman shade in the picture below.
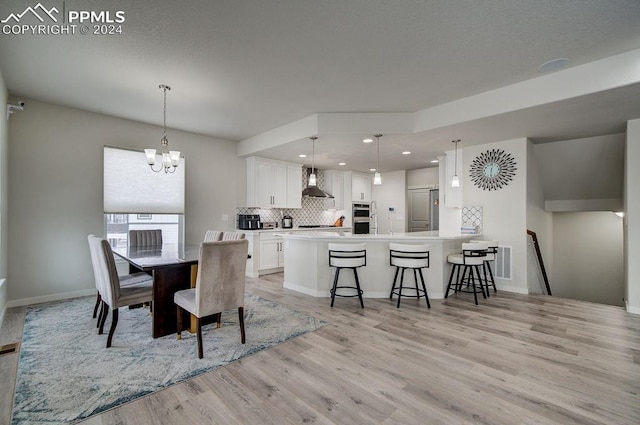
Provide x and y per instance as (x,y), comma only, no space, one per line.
(131,187)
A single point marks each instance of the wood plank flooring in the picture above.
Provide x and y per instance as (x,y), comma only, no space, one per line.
(514,359)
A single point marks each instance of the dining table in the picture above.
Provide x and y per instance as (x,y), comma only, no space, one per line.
(173,267)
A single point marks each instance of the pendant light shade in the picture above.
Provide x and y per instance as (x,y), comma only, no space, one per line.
(455,181)
(170,159)
(312,176)
(377,178)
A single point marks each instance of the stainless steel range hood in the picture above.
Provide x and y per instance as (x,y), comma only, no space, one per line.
(314,191)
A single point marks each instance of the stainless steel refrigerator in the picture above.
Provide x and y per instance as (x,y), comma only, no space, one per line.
(423,210)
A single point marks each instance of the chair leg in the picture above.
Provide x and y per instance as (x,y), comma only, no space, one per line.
(493,282)
(485,282)
(473,283)
(481,283)
(453,269)
(400,287)
(335,284)
(459,280)
(103,319)
(393,287)
(424,287)
(241,321)
(218,320)
(95,309)
(179,322)
(355,273)
(114,323)
(199,336)
(100,314)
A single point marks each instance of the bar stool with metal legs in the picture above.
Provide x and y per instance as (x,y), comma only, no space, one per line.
(472,257)
(347,256)
(492,251)
(402,257)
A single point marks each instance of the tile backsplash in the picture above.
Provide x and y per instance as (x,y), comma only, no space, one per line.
(312,211)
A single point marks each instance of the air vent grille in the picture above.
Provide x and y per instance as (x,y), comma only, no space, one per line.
(502,263)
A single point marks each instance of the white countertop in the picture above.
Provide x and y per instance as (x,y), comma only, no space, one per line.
(299,229)
(332,236)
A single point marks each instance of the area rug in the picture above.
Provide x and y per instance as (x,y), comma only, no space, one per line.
(65,373)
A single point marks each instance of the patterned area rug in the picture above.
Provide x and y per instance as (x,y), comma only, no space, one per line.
(65,373)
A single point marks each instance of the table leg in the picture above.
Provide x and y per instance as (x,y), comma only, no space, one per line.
(166,282)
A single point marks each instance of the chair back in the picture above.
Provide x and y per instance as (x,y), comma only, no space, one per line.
(492,248)
(347,254)
(109,281)
(221,276)
(232,236)
(474,253)
(141,238)
(95,263)
(212,236)
(410,256)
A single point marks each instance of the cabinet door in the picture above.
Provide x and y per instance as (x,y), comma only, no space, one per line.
(294,186)
(270,254)
(264,196)
(361,188)
(334,184)
(279,185)
(281,254)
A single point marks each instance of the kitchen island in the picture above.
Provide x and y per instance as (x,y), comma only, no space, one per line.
(306,261)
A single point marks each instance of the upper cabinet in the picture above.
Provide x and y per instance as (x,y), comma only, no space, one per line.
(334,184)
(360,187)
(273,184)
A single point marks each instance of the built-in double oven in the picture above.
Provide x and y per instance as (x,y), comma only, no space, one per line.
(361,218)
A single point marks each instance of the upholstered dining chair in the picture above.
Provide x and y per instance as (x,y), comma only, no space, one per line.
(232,236)
(96,274)
(219,285)
(117,291)
(212,236)
(140,238)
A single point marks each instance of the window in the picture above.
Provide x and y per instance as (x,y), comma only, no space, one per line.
(136,198)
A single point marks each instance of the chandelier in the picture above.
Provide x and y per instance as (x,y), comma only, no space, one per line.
(170,159)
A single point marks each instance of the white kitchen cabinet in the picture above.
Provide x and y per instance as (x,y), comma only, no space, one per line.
(271,251)
(334,184)
(273,184)
(360,187)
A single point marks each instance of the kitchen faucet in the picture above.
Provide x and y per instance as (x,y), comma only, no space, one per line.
(374,217)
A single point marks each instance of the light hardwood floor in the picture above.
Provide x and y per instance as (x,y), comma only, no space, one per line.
(514,359)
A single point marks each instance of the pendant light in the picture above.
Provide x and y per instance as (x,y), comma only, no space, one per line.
(170,159)
(455,181)
(312,176)
(377,178)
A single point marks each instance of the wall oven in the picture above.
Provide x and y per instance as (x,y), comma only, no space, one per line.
(361,218)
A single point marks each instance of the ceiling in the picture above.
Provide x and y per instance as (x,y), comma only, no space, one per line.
(239,68)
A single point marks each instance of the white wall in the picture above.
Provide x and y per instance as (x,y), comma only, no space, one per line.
(55,192)
(539,221)
(4,194)
(588,251)
(422,178)
(632,217)
(504,210)
(391,193)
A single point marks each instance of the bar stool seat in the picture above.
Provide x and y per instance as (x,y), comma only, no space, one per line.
(347,256)
(415,257)
(492,252)
(472,257)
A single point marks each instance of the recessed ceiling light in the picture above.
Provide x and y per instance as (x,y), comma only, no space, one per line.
(434,161)
(302,155)
(342,163)
(406,153)
(553,65)
(372,169)
(367,140)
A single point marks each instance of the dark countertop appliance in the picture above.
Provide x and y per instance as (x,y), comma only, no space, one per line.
(249,222)
(287,222)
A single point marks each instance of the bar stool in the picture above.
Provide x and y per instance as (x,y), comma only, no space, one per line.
(492,251)
(403,257)
(472,257)
(347,256)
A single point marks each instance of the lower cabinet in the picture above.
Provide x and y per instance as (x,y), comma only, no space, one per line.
(271,251)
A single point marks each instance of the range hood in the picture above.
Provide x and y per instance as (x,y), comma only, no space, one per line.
(314,191)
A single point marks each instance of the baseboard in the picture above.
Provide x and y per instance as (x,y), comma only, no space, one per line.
(49,298)
(512,288)
(631,309)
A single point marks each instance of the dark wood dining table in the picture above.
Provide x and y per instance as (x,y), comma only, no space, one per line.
(173,267)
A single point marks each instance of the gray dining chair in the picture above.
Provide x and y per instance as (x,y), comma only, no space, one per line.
(219,285)
(147,237)
(212,236)
(117,291)
(232,236)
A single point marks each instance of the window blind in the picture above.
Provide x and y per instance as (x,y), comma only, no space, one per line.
(130,186)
